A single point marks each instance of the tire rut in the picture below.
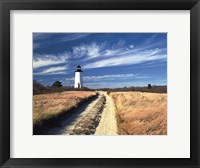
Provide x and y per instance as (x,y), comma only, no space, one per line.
(88,123)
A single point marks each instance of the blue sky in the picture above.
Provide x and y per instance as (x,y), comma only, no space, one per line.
(107,59)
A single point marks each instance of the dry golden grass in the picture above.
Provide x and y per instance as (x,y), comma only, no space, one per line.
(47,106)
(141,113)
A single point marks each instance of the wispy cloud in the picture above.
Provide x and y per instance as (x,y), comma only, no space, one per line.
(39,39)
(112,84)
(111,77)
(53,70)
(88,51)
(42,39)
(71,37)
(149,40)
(127,59)
(131,46)
(96,55)
(91,50)
(47,60)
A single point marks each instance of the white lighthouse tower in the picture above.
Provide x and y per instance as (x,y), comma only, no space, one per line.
(78,77)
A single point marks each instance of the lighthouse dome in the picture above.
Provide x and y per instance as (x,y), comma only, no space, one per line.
(78,69)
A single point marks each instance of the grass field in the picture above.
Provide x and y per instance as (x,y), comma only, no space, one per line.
(141,113)
(47,106)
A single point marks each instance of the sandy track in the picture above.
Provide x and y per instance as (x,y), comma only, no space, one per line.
(106,126)
(68,125)
(90,121)
(108,123)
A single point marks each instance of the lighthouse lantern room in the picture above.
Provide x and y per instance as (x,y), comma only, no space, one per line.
(78,77)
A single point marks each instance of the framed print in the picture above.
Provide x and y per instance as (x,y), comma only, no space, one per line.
(91,83)
(103,58)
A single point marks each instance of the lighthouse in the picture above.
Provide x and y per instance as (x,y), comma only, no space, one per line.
(78,77)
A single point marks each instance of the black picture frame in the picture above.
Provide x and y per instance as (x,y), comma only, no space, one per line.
(7,5)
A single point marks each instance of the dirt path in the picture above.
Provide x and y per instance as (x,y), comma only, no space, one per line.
(89,122)
(108,123)
(69,124)
(94,117)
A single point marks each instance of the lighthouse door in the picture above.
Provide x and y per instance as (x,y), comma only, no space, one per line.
(79,85)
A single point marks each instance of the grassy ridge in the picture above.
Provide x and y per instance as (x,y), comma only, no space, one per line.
(141,113)
(48,107)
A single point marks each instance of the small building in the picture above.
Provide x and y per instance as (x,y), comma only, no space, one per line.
(78,78)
